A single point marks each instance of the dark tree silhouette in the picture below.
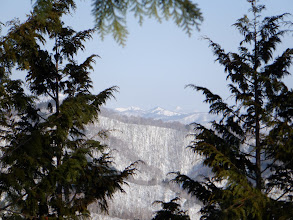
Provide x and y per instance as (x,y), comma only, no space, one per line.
(49,167)
(170,210)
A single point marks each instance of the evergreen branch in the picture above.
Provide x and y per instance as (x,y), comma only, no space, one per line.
(285,192)
(270,165)
(17,147)
(194,188)
(49,94)
(110,15)
(216,104)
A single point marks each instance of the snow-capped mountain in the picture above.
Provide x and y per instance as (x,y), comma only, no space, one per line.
(167,115)
(131,111)
(163,112)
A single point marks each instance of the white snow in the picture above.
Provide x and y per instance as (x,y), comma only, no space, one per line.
(132,108)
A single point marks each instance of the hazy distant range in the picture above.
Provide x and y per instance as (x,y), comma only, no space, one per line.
(165,115)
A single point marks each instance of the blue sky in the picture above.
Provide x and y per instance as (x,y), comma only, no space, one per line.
(160,59)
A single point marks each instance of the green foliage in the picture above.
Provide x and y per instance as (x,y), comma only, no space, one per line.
(110,15)
(170,210)
(49,167)
(250,149)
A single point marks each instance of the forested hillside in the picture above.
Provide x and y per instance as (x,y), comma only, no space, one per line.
(160,147)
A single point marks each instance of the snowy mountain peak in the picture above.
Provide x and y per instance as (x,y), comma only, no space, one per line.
(157,109)
(178,109)
(132,108)
(163,112)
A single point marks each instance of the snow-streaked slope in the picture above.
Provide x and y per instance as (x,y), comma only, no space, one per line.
(162,148)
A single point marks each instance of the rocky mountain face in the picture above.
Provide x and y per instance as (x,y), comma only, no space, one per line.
(161,148)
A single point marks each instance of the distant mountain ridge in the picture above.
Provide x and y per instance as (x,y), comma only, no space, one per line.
(165,115)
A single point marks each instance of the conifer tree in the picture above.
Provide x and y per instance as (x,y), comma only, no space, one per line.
(50,169)
(250,149)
